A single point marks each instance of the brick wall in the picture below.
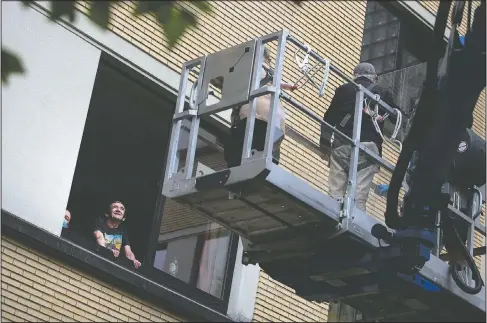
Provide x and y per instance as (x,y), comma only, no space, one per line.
(37,288)
(333,28)
(278,303)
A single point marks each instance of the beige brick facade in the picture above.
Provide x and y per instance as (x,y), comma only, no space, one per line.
(38,288)
(35,287)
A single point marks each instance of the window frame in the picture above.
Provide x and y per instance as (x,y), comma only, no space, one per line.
(407,25)
(158,214)
(200,234)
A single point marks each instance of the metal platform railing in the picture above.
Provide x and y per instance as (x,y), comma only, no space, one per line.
(241,68)
(242,86)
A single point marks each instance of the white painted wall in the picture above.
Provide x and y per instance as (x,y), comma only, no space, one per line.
(133,57)
(43,115)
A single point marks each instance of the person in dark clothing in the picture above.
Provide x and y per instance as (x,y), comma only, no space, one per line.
(111,233)
(341,115)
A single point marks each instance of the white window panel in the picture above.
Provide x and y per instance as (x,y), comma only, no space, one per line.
(43,114)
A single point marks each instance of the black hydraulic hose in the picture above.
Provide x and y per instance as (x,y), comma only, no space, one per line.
(450,230)
(421,118)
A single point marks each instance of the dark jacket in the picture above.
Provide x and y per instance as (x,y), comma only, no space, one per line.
(343,103)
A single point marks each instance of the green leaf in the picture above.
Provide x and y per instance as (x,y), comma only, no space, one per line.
(161,9)
(179,21)
(174,20)
(63,8)
(11,64)
(100,13)
(203,6)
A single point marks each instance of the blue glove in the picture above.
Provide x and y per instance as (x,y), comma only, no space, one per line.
(381,189)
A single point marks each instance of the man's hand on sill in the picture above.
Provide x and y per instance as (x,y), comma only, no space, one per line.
(124,261)
(137,263)
(101,250)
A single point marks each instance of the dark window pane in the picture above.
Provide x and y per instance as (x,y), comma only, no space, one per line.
(377,64)
(378,50)
(391,46)
(179,256)
(380,34)
(392,29)
(383,33)
(389,62)
(378,6)
(197,249)
(369,21)
(365,55)
(371,6)
(367,38)
(381,18)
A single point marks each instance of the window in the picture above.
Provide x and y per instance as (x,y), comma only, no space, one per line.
(381,37)
(398,49)
(388,40)
(190,247)
(121,158)
(198,259)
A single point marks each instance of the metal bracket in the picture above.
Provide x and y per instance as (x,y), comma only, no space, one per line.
(202,170)
(235,65)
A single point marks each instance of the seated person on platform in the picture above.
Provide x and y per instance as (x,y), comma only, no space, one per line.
(234,146)
(111,233)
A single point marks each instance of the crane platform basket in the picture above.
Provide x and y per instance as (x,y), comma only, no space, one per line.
(321,247)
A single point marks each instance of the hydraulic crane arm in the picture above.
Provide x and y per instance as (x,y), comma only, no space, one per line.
(422,117)
(443,113)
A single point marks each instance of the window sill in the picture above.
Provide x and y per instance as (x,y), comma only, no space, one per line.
(109,271)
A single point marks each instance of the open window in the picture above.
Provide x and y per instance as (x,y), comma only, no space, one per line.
(122,158)
(121,154)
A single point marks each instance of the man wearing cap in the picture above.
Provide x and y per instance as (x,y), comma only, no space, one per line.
(341,115)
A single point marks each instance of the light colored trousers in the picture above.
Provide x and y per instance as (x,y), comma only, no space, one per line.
(366,169)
